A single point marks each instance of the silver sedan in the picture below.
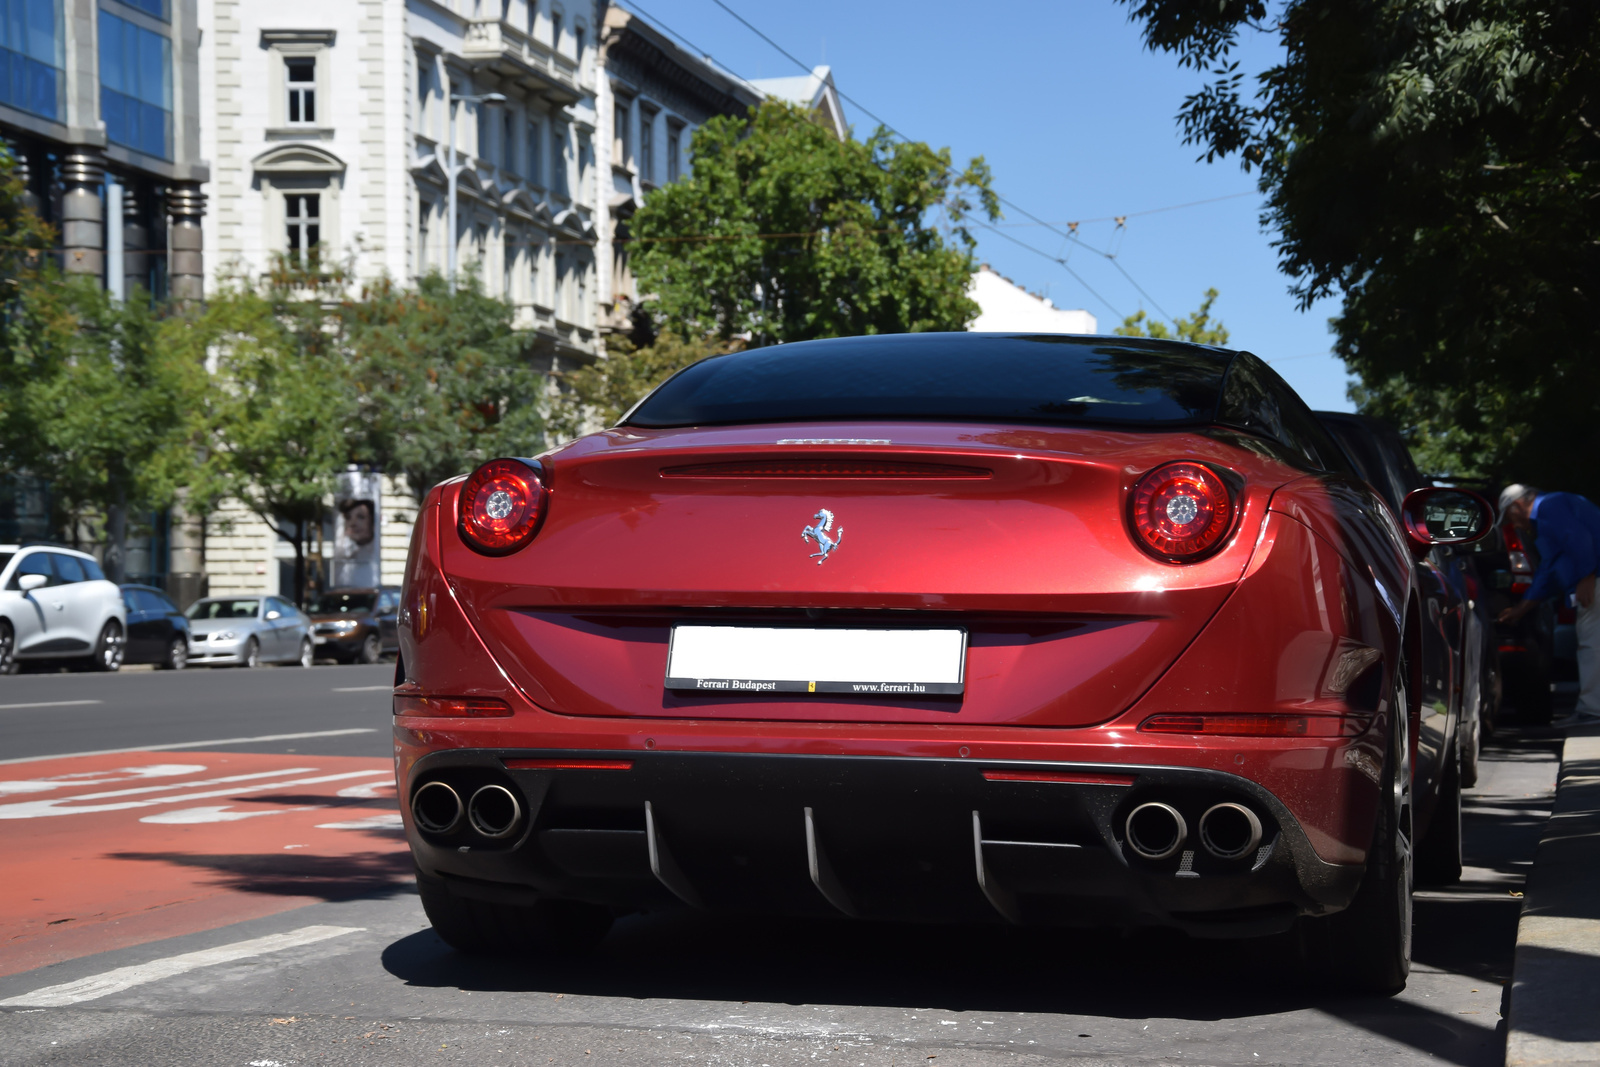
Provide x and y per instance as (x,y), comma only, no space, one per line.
(246,631)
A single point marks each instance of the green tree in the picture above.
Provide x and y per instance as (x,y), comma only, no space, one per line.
(1196,327)
(100,403)
(442,380)
(784,232)
(1438,166)
(602,392)
(283,417)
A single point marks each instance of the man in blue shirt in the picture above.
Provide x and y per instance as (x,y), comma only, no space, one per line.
(1565,528)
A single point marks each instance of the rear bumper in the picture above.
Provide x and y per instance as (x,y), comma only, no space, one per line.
(921,839)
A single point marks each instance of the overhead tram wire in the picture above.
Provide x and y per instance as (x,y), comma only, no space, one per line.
(1009,203)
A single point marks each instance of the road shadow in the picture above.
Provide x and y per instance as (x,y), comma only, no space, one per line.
(355,876)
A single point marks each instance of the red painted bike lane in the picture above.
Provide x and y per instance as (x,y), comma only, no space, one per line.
(104,852)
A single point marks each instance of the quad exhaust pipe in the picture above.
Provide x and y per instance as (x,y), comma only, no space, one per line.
(1230,831)
(436,808)
(1155,830)
(494,812)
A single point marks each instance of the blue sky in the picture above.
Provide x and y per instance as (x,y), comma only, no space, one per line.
(1077,121)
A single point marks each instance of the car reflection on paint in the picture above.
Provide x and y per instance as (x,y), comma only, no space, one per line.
(247,631)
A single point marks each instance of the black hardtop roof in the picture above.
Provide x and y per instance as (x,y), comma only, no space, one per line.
(1008,377)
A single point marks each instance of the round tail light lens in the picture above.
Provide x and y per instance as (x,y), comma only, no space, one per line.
(502,505)
(1181,512)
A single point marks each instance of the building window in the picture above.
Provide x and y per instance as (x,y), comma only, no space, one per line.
(535,171)
(485,131)
(425,77)
(579,40)
(555,31)
(647,145)
(157,8)
(585,159)
(508,140)
(302,214)
(509,271)
(301,75)
(31,56)
(424,256)
(619,133)
(136,86)
(674,152)
(558,158)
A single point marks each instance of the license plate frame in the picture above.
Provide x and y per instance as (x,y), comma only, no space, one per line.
(899,662)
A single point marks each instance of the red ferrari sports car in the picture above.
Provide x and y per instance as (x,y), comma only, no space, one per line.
(936,627)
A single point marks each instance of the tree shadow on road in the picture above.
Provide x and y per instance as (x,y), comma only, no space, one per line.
(353,876)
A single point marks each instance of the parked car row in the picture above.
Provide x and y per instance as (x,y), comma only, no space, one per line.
(56,605)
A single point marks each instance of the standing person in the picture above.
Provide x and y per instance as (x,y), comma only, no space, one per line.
(1565,528)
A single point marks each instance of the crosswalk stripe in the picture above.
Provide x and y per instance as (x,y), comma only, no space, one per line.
(115,981)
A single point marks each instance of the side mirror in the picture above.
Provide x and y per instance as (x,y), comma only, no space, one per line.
(29,582)
(1445,517)
(273,615)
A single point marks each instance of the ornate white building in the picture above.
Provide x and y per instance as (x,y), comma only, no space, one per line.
(328,124)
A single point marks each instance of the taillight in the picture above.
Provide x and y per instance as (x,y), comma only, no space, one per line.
(1181,512)
(451,707)
(1252,725)
(502,505)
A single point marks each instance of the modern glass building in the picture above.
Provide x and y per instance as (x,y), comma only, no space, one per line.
(100,108)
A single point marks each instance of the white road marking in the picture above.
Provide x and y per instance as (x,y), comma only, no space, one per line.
(386,821)
(365,791)
(194,744)
(35,809)
(364,688)
(216,813)
(124,774)
(115,981)
(50,704)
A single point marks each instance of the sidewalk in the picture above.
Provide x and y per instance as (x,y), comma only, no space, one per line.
(1554,1012)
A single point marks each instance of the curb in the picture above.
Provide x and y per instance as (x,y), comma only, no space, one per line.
(1553,1015)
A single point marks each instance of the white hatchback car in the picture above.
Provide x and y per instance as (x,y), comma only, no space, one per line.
(56,604)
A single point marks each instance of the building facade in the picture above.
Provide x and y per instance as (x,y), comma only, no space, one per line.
(1006,307)
(330,128)
(100,104)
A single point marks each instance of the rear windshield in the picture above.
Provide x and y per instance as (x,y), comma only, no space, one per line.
(949,377)
(342,603)
(223,609)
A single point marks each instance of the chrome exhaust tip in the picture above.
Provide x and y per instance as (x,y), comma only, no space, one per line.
(1230,831)
(1155,830)
(494,811)
(436,808)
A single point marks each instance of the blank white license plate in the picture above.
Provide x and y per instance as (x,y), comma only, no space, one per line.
(787,659)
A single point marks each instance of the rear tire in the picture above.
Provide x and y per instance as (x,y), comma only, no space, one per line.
(1367,947)
(108,648)
(177,656)
(481,928)
(8,648)
(1439,854)
(307,653)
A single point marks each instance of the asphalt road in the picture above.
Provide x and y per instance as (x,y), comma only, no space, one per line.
(56,714)
(336,964)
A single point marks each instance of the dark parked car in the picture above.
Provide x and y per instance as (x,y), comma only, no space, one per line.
(355,625)
(1460,644)
(1506,562)
(157,631)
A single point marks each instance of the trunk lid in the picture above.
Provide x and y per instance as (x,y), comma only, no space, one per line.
(1019,536)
